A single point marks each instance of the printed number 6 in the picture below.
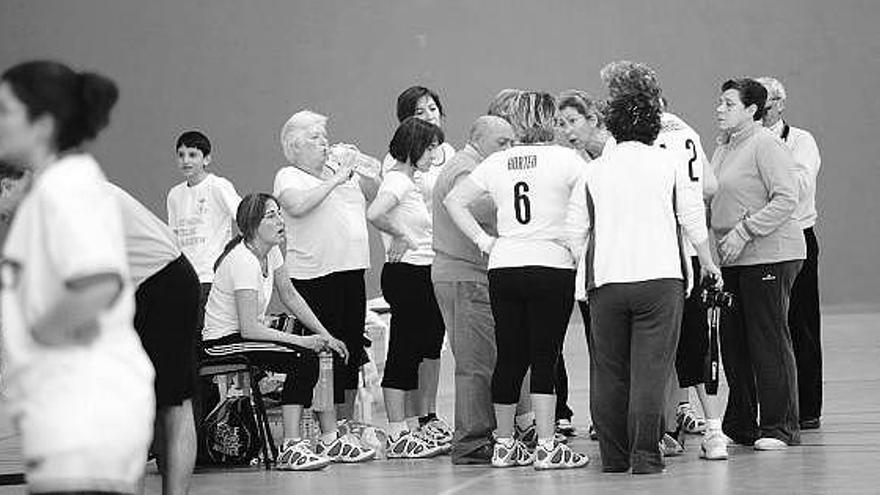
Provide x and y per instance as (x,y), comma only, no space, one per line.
(521,204)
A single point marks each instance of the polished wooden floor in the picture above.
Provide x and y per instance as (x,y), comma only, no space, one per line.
(842,457)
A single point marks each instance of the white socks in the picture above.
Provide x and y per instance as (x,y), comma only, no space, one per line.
(713,425)
(525,420)
(396,429)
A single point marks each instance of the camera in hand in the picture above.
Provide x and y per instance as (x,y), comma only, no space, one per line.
(286,323)
(715,298)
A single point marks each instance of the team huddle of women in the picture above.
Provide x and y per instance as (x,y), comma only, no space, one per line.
(553,201)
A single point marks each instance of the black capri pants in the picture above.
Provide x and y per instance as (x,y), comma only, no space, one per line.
(339,301)
(531,306)
(298,363)
(417,329)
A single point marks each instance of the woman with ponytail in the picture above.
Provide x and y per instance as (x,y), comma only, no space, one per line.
(79,386)
(250,266)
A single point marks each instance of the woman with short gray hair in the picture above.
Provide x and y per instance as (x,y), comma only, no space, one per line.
(323,197)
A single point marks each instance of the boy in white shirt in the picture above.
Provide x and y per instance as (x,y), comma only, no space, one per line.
(201,210)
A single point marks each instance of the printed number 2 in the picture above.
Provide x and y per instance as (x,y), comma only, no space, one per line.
(692,147)
(521,205)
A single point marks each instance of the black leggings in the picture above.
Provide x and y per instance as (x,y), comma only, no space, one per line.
(299,364)
(339,301)
(531,306)
(416,323)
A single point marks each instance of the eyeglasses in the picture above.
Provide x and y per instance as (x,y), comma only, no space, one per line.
(272,215)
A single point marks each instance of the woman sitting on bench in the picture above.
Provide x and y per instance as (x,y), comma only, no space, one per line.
(250,266)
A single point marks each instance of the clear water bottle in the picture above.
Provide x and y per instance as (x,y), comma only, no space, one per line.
(349,154)
(322,400)
(308,427)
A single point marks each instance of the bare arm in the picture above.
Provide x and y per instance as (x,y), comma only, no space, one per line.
(299,202)
(252,328)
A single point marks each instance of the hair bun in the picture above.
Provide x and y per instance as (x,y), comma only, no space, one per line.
(98,95)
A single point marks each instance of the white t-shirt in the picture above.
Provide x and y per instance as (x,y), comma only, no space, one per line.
(149,243)
(678,137)
(411,215)
(330,238)
(201,216)
(635,236)
(806,157)
(426,180)
(239,270)
(64,398)
(530,186)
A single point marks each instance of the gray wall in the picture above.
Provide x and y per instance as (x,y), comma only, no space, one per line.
(238,69)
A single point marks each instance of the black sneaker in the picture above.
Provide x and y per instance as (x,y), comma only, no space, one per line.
(811,424)
(482,455)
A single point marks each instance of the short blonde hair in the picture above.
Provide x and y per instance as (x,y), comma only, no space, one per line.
(775,89)
(298,124)
(503,102)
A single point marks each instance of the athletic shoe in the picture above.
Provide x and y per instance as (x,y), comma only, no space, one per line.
(670,447)
(515,455)
(811,424)
(560,456)
(688,420)
(564,427)
(443,447)
(411,445)
(345,448)
(592,432)
(528,435)
(298,456)
(438,430)
(770,443)
(714,446)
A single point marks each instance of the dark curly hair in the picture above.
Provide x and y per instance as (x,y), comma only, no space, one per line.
(634,117)
(623,77)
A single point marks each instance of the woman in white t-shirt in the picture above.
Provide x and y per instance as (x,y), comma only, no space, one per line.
(423,103)
(245,274)
(78,384)
(531,273)
(400,212)
(324,203)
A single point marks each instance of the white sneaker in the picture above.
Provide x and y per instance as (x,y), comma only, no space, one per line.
(299,456)
(560,456)
(511,455)
(770,443)
(714,446)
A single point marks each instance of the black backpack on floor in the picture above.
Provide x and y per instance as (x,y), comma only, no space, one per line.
(229,435)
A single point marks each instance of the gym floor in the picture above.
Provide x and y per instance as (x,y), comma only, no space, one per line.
(840,458)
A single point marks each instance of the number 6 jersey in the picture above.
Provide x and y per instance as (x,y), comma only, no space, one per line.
(530,185)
